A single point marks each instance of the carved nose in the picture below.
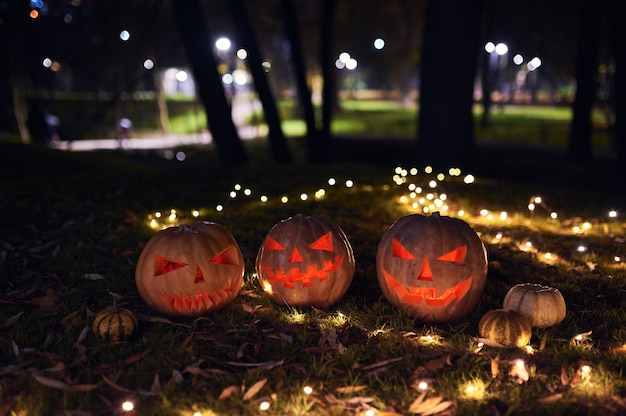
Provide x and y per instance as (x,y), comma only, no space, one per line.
(425,273)
(295,256)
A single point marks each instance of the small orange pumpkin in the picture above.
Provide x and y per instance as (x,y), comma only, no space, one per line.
(506,327)
(190,270)
(543,306)
(433,267)
(305,261)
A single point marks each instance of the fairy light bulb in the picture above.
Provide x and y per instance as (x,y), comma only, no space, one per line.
(307,390)
(264,405)
(128,406)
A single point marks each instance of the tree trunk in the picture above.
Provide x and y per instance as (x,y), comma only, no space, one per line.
(618,29)
(446,127)
(329,91)
(188,16)
(278,143)
(580,146)
(290,20)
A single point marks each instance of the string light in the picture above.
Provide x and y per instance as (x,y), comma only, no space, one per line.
(128,406)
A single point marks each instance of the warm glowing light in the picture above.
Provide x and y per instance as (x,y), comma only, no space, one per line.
(128,406)
(264,198)
(531,207)
(233,194)
(267,287)
(581,249)
(34,14)
(332,181)
(370,412)
(422,385)
(349,183)
(553,215)
(195,213)
(468,179)
(284,199)
(307,390)
(474,390)
(520,364)
(265,405)
(304,197)
(432,184)
(612,214)
(242,54)
(585,369)
(219,208)
(503,215)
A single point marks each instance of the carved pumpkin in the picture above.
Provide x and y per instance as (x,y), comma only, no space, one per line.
(305,261)
(433,267)
(190,270)
(506,327)
(543,306)
(114,324)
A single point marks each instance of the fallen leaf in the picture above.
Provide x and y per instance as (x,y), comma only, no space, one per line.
(59,385)
(349,389)
(378,364)
(9,322)
(254,389)
(177,376)
(565,380)
(92,276)
(551,399)
(48,302)
(495,367)
(117,389)
(228,392)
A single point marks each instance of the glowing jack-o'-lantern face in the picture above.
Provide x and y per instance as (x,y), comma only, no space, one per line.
(305,261)
(190,270)
(433,267)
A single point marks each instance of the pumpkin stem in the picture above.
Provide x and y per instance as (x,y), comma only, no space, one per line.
(185,228)
(115,304)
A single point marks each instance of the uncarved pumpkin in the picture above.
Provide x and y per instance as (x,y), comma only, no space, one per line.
(190,270)
(114,324)
(543,306)
(433,267)
(506,327)
(305,261)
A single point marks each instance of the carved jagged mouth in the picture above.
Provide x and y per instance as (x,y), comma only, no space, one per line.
(313,272)
(200,301)
(418,295)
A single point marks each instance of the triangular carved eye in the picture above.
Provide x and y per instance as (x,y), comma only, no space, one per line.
(456,256)
(325,243)
(398,250)
(227,256)
(163,265)
(271,244)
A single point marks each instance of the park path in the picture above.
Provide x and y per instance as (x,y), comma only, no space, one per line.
(242,108)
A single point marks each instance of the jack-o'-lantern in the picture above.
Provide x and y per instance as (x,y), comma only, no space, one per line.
(433,267)
(305,261)
(190,270)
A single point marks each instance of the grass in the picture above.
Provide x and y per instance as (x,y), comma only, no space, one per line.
(73,226)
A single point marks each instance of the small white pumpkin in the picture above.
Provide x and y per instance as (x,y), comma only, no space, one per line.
(543,306)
